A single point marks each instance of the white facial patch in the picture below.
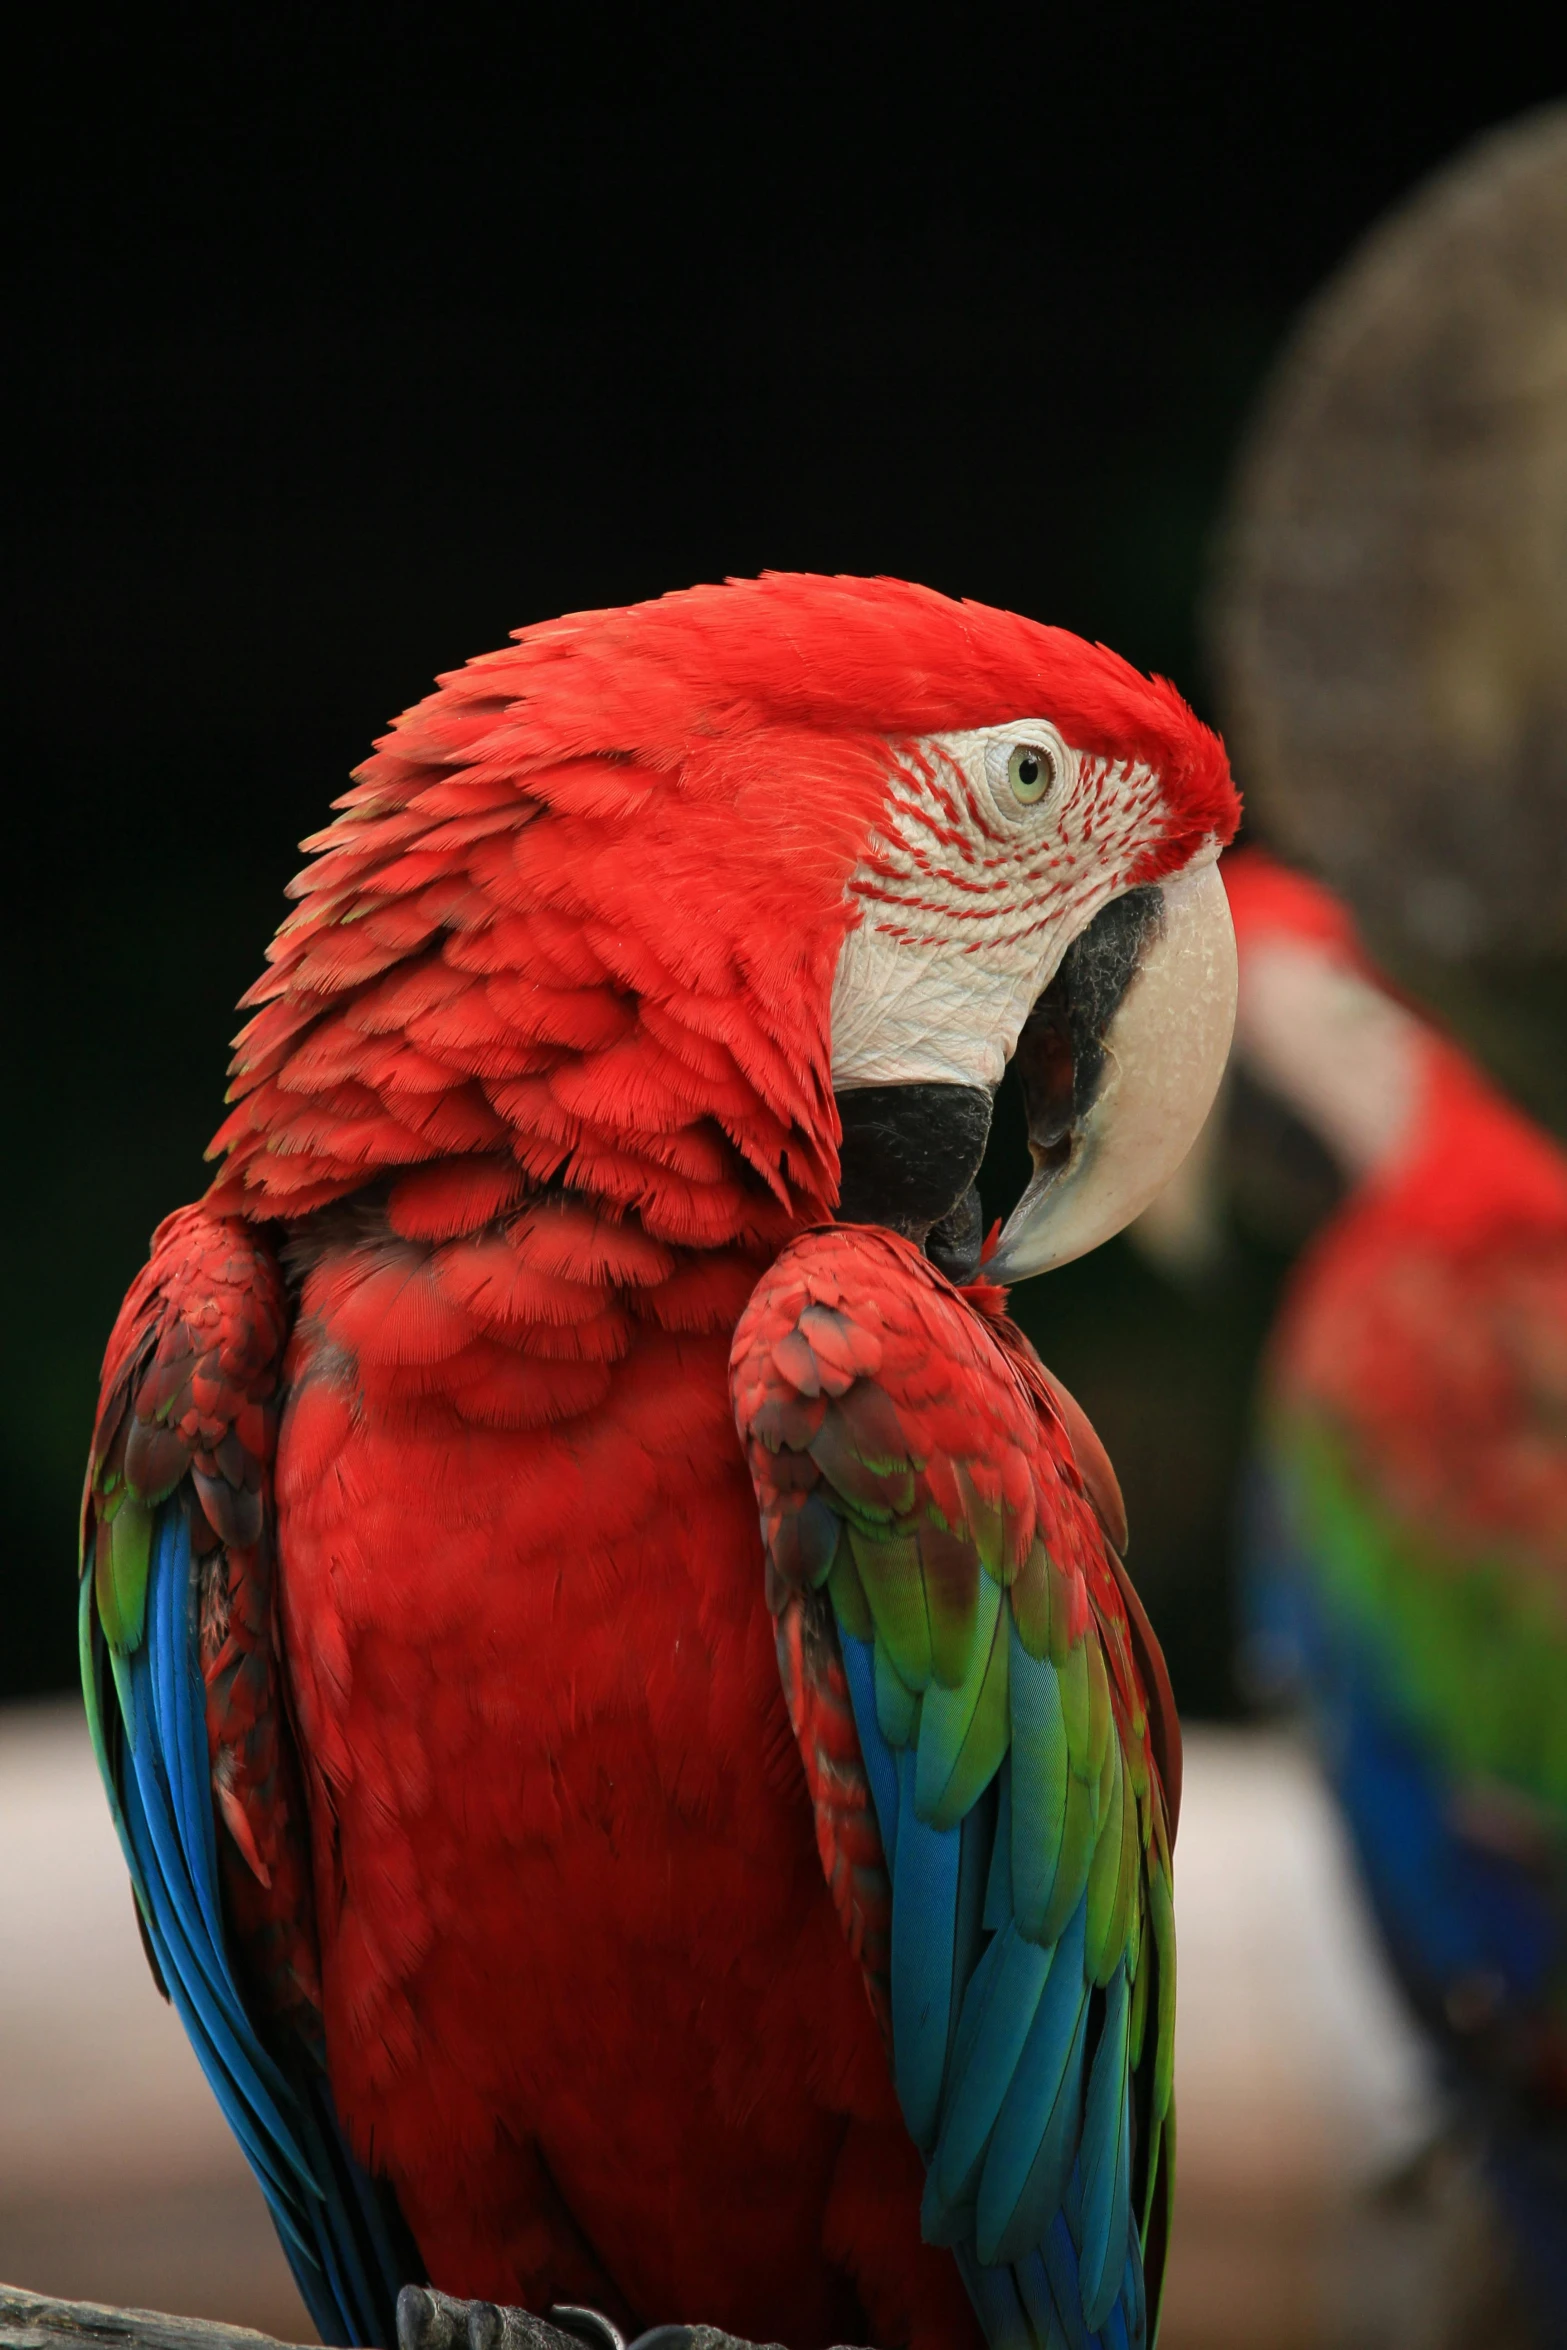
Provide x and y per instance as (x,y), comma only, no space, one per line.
(970,895)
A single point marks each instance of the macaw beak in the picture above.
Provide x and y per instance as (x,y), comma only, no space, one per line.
(1120,1060)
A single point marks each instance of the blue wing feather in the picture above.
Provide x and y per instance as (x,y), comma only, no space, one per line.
(998,1889)
(1040,2302)
(1107,2197)
(1059,2254)
(182,1729)
(999,2304)
(341,2243)
(998,2013)
(924,1931)
(977,1835)
(1035,2138)
(1004,2085)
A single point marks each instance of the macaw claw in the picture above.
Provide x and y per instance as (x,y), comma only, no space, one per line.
(429,2320)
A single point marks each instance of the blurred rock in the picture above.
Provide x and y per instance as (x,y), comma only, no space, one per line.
(1389,618)
(1299,2084)
(119,2180)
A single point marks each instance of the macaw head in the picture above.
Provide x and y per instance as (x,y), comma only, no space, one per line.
(729,911)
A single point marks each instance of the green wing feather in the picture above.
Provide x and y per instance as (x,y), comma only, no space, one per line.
(1003,1678)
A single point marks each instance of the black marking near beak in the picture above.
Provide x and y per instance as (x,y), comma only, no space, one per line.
(908,1159)
(1118,1062)
(911,1153)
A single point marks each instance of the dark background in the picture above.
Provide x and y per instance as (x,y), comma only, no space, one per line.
(340,345)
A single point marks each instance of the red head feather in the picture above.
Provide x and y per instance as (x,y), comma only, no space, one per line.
(579,917)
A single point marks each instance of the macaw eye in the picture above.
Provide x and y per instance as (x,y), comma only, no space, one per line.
(1031,771)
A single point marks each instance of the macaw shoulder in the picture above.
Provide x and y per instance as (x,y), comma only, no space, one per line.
(931,1373)
(181,1469)
(936,1382)
(198,1337)
(189,1386)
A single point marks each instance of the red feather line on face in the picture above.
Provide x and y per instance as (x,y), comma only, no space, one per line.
(1009,900)
(578,918)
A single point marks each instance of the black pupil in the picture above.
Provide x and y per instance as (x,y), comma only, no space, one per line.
(1028,771)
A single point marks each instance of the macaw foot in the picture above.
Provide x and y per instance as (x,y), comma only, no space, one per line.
(428,2320)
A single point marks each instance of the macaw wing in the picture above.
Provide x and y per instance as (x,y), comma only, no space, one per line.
(1410,1559)
(179,1670)
(962,1679)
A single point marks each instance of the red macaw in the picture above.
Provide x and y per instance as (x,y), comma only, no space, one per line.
(426,1635)
(1411,1534)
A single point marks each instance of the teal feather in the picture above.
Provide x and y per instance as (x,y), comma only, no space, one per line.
(1043,2187)
(1041,1769)
(998,2305)
(1126,2327)
(1033,2283)
(971,2017)
(997,2015)
(1060,2259)
(998,1888)
(1134,2297)
(1035,2129)
(1106,2162)
(924,1923)
(977,1835)
(881,1767)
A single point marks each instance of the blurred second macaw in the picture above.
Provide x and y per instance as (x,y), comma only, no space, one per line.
(1410,1523)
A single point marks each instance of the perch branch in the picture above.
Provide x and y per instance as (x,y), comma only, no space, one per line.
(426,2320)
(31,2321)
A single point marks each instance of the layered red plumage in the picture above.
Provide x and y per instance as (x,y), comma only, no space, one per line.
(560,1831)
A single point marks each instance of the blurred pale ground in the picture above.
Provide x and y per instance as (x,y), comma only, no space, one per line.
(1301,2090)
